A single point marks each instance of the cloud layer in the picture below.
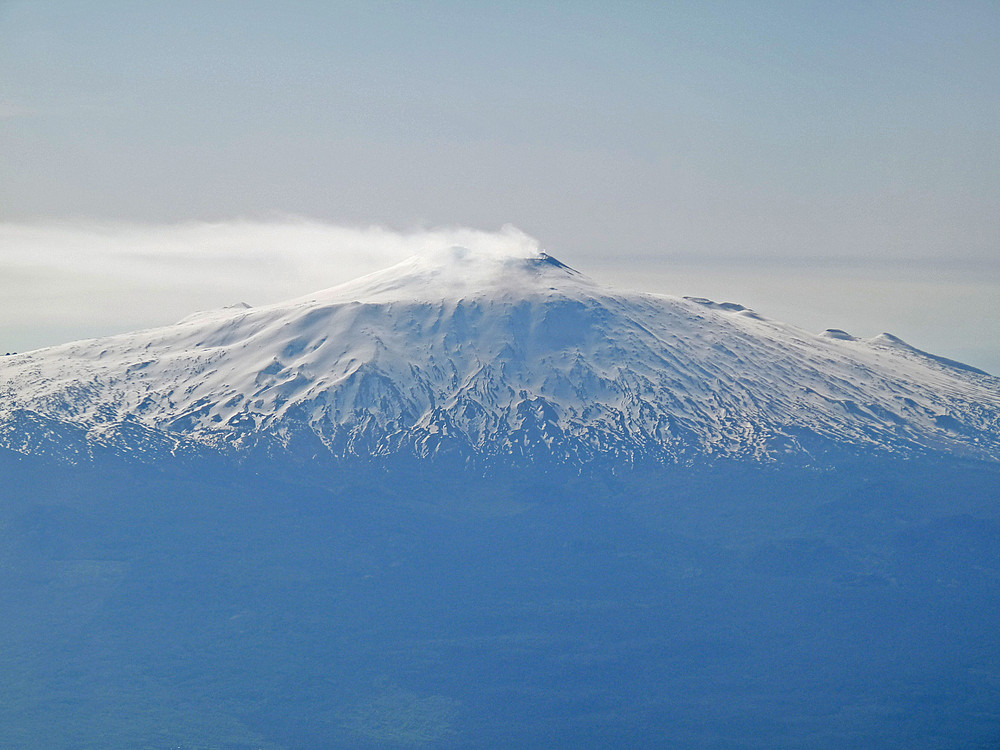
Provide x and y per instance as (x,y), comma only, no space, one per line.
(264,255)
(66,279)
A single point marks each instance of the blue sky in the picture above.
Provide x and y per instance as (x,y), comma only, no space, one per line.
(830,164)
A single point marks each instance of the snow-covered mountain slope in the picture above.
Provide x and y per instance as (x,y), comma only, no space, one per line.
(495,358)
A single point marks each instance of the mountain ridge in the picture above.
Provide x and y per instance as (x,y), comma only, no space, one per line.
(497,357)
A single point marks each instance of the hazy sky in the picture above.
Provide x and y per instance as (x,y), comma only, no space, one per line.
(830,164)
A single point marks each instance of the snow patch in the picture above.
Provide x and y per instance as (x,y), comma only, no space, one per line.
(837,334)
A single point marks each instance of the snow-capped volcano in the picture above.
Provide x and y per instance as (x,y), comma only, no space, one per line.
(494,357)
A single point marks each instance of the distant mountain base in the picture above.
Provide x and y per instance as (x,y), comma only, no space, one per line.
(719,606)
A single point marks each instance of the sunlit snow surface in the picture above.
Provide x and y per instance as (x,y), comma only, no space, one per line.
(495,356)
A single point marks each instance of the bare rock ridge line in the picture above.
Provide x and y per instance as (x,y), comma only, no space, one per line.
(494,357)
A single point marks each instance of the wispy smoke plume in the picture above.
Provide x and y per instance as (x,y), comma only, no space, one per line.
(103,277)
(295,249)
